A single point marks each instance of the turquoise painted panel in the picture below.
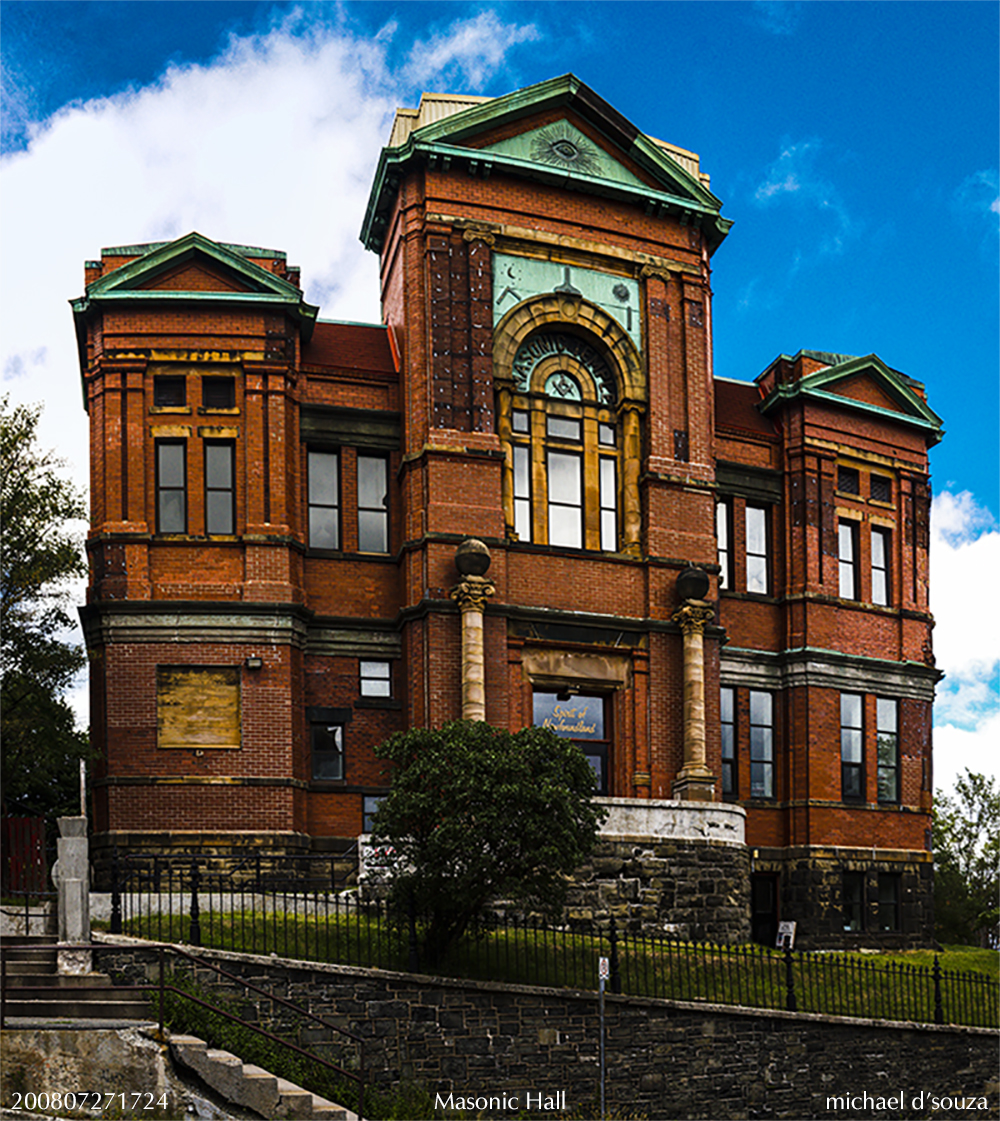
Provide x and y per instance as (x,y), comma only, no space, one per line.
(519,278)
(563,147)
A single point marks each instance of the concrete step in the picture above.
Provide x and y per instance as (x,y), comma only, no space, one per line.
(82,1006)
(15,955)
(19,980)
(252,1087)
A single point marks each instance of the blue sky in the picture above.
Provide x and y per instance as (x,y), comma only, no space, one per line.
(853,144)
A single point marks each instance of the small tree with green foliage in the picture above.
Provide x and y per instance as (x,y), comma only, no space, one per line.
(967,862)
(477,813)
(40,554)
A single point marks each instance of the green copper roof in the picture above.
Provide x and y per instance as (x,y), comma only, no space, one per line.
(554,153)
(913,410)
(129,284)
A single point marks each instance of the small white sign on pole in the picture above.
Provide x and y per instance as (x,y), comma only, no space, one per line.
(604,968)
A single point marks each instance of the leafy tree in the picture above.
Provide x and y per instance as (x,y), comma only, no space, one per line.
(477,813)
(967,861)
(40,554)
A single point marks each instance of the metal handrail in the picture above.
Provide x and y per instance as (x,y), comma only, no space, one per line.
(162,988)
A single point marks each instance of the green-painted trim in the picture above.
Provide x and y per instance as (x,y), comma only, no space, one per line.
(119,286)
(918,413)
(439,137)
(169,253)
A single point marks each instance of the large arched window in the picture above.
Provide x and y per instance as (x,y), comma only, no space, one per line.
(571,391)
(565,446)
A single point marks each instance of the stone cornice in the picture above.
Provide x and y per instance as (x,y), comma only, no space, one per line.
(827,669)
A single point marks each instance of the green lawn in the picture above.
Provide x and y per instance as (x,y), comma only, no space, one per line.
(896,985)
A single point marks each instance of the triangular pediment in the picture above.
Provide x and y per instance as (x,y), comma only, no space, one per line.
(192,270)
(547,132)
(866,384)
(560,145)
(864,387)
(196,276)
(209,266)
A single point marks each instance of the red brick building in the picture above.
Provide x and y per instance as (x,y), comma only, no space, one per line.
(278,500)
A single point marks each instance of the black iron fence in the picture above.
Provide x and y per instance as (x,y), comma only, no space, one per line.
(255,908)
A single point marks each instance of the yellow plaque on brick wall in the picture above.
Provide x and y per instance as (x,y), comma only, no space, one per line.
(198,707)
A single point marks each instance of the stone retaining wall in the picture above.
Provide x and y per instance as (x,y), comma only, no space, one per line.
(664,1058)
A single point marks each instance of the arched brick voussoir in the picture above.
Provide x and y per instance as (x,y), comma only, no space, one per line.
(570,313)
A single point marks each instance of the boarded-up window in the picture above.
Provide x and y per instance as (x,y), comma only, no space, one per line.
(198,707)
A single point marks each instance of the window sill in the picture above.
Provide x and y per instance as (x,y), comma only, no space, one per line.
(203,411)
(378,702)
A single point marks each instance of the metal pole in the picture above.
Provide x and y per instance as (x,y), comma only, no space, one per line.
(603,971)
(162,994)
(601,1006)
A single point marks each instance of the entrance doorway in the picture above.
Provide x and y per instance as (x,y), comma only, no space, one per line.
(764,908)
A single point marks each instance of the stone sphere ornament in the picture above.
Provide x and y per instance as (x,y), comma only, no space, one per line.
(472,558)
(693,583)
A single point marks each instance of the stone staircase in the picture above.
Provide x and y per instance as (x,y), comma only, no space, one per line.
(251,1086)
(34,988)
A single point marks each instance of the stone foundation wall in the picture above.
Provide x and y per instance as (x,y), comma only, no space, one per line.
(698,890)
(664,1058)
(812,894)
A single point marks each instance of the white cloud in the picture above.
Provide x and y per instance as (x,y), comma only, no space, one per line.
(469,52)
(959,749)
(794,178)
(965,600)
(274,143)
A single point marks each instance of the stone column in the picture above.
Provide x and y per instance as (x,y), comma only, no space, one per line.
(472,559)
(71,875)
(694,782)
(631,462)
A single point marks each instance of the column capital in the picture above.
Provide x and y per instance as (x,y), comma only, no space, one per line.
(473,592)
(693,616)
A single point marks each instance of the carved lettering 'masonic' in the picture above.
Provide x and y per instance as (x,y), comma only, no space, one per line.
(533,350)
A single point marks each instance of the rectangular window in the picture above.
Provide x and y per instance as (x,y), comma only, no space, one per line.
(881,488)
(848,480)
(522,491)
(327,752)
(520,421)
(369,808)
(888,900)
(609,505)
(171,486)
(606,435)
(376,679)
(761,745)
(324,500)
(565,500)
(852,747)
(756,524)
(563,427)
(847,538)
(373,513)
(854,901)
(220,487)
(722,540)
(880,566)
(887,735)
(218,393)
(169,392)
(727,718)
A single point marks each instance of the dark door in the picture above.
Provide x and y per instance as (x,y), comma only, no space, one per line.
(764,908)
